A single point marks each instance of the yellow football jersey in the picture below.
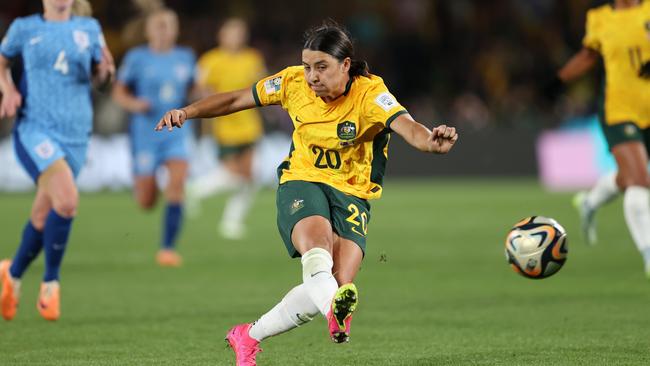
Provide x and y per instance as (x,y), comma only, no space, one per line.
(622,37)
(343,143)
(224,71)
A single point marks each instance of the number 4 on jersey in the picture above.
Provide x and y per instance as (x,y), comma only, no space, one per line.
(61,63)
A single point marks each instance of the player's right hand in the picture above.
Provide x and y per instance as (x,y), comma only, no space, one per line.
(11,101)
(171,119)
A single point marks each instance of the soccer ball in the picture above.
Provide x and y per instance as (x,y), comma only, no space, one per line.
(536,247)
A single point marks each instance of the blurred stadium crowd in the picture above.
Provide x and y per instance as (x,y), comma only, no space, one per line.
(476,64)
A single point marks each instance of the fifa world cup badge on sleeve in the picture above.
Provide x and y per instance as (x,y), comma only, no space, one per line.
(386,101)
(273,85)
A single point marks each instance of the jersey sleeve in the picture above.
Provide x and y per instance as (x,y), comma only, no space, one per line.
(98,42)
(591,39)
(13,40)
(128,69)
(271,89)
(380,106)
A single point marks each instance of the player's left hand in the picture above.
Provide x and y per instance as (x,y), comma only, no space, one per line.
(442,139)
(171,119)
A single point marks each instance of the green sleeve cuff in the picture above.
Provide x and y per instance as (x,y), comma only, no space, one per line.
(395,115)
(255,96)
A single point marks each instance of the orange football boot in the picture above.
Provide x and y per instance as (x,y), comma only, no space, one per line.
(168,258)
(49,300)
(10,291)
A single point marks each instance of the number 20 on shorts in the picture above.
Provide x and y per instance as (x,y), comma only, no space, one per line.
(354,220)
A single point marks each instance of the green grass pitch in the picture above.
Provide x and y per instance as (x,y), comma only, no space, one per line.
(434,287)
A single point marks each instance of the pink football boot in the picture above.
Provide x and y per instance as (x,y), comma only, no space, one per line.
(245,347)
(339,318)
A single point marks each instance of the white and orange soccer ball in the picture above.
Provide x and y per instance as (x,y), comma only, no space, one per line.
(536,247)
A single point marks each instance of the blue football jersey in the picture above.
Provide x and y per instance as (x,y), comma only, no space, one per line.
(163,79)
(57,58)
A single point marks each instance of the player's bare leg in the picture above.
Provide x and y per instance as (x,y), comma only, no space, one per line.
(347,260)
(633,177)
(145,191)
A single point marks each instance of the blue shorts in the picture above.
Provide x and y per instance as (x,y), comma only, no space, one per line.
(36,150)
(151,149)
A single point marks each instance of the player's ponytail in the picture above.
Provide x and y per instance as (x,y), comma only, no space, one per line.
(359,68)
(82,8)
(334,40)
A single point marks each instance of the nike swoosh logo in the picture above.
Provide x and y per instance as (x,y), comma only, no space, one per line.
(42,305)
(298,119)
(58,246)
(318,273)
(35,40)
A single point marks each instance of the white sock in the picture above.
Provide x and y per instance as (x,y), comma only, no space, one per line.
(295,309)
(239,204)
(212,183)
(317,278)
(604,191)
(636,206)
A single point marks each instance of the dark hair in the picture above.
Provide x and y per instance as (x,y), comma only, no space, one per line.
(334,40)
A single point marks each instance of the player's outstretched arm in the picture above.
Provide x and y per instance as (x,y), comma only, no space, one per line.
(219,104)
(11,98)
(578,65)
(439,139)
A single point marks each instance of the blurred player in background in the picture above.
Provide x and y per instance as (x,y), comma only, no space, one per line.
(620,33)
(152,79)
(231,66)
(342,117)
(62,55)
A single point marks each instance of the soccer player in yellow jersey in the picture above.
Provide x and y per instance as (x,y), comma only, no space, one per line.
(231,66)
(620,34)
(343,117)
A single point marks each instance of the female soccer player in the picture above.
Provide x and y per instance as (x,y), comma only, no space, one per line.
(232,66)
(619,33)
(151,80)
(343,116)
(62,54)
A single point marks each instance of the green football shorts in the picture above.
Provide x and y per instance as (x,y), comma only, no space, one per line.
(226,151)
(349,215)
(624,132)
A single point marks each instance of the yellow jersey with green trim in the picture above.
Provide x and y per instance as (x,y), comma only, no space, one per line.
(220,71)
(622,37)
(344,143)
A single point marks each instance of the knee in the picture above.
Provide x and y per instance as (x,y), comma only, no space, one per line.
(174,192)
(146,202)
(67,206)
(38,220)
